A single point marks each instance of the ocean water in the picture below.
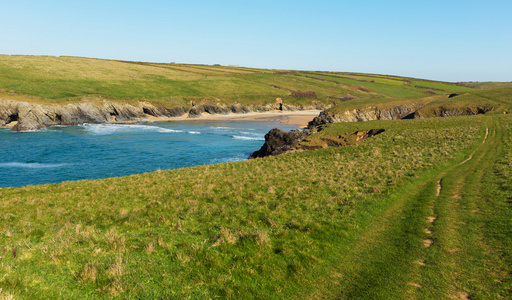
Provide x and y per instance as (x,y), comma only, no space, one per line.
(93,151)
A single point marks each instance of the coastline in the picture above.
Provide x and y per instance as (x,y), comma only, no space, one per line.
(290,117)
(24,116)
(301,118)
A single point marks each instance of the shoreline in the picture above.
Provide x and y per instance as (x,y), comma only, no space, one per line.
(300,118)
(23,116)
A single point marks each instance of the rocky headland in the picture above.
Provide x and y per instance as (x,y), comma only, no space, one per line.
(280,142)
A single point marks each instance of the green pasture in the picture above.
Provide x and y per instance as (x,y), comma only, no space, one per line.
(329,223)
(50,79)
(420,211)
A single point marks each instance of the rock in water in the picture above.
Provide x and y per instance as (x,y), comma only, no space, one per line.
(278,141)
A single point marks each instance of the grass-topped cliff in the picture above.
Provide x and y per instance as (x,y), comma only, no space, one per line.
(419,211)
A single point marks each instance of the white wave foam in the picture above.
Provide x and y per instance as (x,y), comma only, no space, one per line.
(30,165)
(227,159)
(194,132)
(33,130)
(248,138)
(252,133)
(105,129)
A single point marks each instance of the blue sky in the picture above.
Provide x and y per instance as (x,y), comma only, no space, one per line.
(443,40)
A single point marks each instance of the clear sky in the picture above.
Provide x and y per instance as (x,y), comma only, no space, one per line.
(447,40)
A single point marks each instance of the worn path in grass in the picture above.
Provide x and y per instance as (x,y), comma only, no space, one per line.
(435,241)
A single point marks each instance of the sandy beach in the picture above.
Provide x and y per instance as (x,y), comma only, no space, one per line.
(300,118)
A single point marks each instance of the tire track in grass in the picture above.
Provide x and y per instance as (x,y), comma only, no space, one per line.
(431,219)
(386,256)
(483,142)
(447,262)
(396,258)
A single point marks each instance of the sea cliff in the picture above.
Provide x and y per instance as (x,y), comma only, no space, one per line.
(23,116)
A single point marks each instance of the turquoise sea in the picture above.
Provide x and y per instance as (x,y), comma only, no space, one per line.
(93,151)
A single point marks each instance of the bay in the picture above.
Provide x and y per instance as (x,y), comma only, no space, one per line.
(94,151)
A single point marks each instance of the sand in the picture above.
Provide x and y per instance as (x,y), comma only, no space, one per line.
(300,118)
(10,125)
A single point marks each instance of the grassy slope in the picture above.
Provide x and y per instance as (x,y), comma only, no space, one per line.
(497,100)
(343,222)
(280,227)
(71,79)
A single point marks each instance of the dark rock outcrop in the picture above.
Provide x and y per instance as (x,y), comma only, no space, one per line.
(215,109)
(238,109)
(278,141)
(176,111)
(196,111)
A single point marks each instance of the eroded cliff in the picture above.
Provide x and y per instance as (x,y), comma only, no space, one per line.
(365,114)
(23,116)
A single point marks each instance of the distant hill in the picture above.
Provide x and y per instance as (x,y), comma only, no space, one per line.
(72,79)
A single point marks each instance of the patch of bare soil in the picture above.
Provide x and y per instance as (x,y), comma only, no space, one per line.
(471,156)
(439,188)
(344,139)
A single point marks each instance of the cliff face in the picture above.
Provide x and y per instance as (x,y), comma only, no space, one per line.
(411,111)
(24,116)
(30,116)
(440,111)
(364,114)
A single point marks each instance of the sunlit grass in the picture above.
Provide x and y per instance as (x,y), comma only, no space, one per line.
(50,79)
(265,228)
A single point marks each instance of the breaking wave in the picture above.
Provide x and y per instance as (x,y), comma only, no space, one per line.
(30,165)
(249,138)
(106,129)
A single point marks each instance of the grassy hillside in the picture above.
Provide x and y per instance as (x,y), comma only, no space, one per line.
(71,79)
(420,211)
(349,222)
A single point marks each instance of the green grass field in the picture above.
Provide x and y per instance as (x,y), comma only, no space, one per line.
(347,222)
(420,211)
(49,79)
